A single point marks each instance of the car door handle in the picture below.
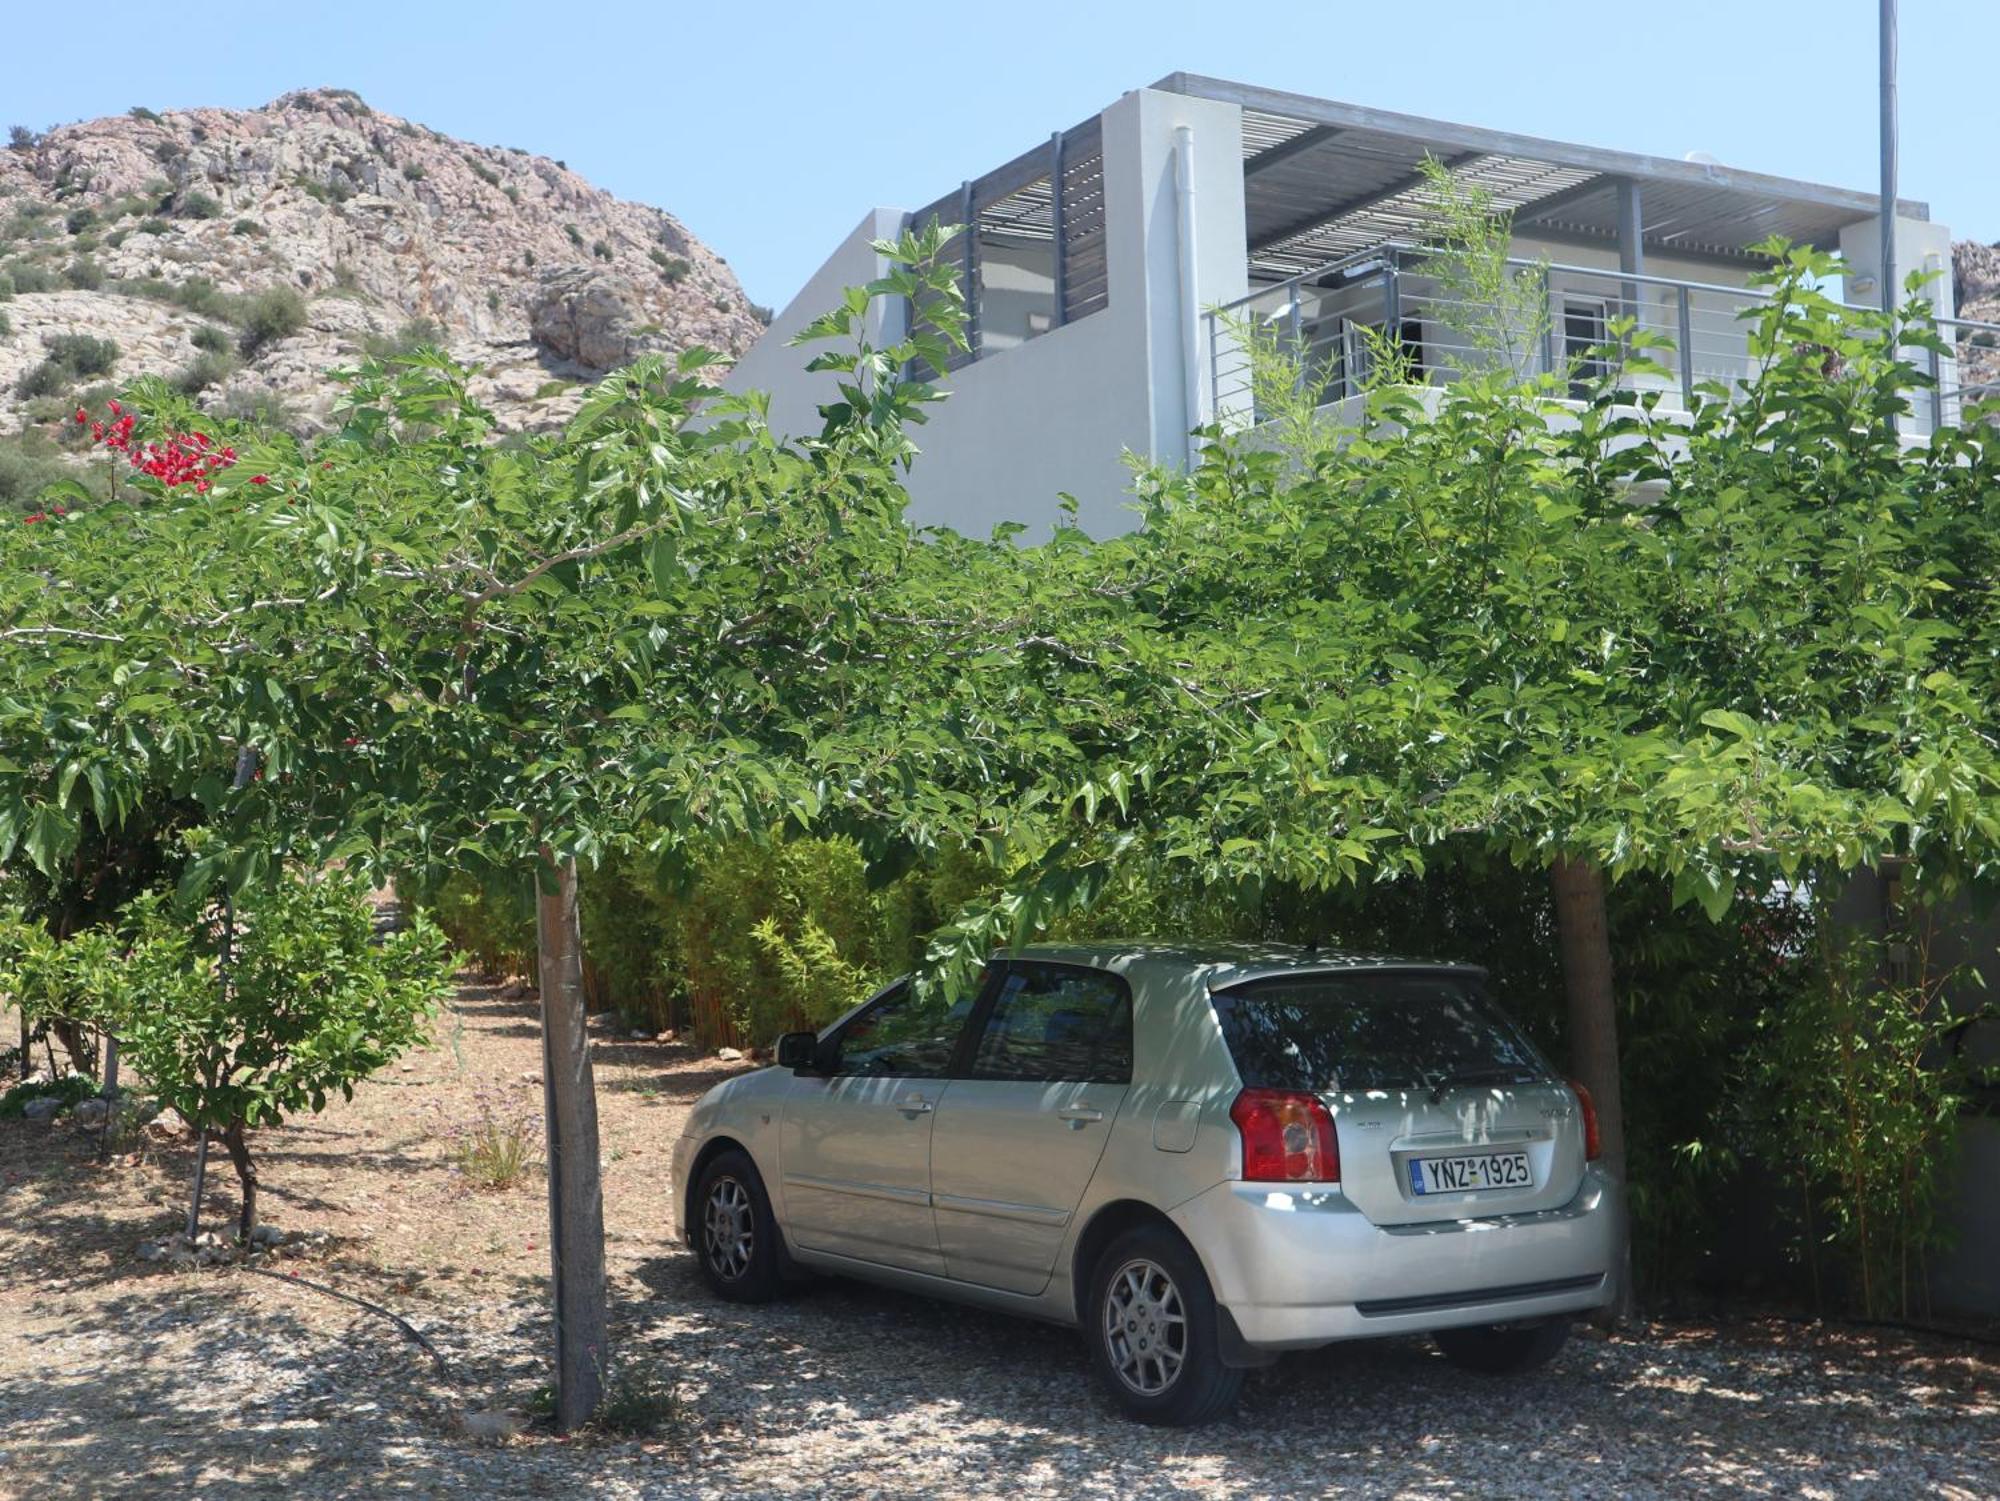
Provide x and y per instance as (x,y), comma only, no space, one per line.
(1078,1114)
(914,1104)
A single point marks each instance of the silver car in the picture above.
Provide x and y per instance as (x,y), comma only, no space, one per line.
(1200,1157)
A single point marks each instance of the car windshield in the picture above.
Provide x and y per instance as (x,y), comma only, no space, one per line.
(1383,1029)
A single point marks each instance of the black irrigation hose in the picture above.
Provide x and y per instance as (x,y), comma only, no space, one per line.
(292,1279)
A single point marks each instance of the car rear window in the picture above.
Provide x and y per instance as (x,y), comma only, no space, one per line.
(1383,1029)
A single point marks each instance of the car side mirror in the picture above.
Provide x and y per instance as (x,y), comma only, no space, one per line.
(798,1051)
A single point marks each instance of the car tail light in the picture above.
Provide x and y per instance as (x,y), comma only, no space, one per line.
(1287,1137)
(1593,1148)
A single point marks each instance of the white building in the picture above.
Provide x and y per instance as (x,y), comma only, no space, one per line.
(1109,262)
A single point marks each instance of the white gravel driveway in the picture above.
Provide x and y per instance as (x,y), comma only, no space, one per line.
(233,1387)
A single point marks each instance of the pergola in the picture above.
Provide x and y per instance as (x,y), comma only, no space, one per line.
(1322,180)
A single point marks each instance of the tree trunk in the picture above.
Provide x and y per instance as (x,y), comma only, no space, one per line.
(576,1198)
(1593,1017)
(246,1174)
(1585,937)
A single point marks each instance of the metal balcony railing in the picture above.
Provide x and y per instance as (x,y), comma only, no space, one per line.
(1338,319)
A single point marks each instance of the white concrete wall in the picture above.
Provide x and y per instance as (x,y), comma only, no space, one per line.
(1055,414)
(772,365)
(1921,245)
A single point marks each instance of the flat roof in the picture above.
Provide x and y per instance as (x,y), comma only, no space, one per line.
(1323,179)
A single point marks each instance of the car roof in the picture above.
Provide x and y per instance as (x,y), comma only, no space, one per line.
(1220,965)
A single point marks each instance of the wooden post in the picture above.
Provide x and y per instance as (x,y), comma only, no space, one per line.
(576,1197)
(109,1092)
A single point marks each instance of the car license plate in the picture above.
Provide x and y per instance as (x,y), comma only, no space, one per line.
(1469,1171)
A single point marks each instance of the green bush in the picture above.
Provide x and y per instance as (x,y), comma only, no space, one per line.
(415,334)
(631,940)
(673,269)
(270,315)
(491,919)
(1851,1100)
(246,227)
(261,410)
(200,295)
(6,327)
(153,224)
(83,354)
(79,219)
(316,1003)
(140,112)
(27,276)
(84,274)
(414,171)
(71,1089)
(781,938)
(49,378)
(204,370)
(601,250)
(211,340)
(198,205)
(28,466)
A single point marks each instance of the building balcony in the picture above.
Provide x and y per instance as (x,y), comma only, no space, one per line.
(1334,322)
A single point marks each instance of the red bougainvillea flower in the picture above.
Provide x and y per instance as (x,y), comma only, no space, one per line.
(31,520)
(260,479)
(178,459)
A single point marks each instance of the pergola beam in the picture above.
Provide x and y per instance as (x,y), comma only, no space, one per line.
(1319,218)
(1284,151)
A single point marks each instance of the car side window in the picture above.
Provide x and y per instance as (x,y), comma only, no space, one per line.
(1058,1023)
(905,1035)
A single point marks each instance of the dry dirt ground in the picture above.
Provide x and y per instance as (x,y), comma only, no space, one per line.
(123,1378)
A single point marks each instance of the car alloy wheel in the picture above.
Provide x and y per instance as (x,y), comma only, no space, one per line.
(1145,1327)
(729,1229)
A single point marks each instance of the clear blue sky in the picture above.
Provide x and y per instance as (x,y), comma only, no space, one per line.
(770,128)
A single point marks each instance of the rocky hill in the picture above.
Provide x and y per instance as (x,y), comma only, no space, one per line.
(1976,290)
(243,253)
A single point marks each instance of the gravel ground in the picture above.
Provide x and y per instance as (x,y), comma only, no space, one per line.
(119,1378)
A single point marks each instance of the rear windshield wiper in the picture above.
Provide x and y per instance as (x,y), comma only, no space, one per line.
(1492,1073)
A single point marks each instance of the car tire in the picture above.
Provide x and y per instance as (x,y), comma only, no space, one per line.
(1503,1349)
(735,1236)
(1151,1324)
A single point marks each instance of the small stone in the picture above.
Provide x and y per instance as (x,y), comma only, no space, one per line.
(47,1108)
(663,1037)
(90,1112)
(267,1235)
(729,1055)
(640,1034)
(207,1240)
(531,1077)
(152,1250)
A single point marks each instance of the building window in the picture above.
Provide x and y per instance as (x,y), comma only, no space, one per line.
(1586,330)
(1359,342)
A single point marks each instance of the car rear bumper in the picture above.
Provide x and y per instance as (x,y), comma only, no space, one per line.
(1303,1267)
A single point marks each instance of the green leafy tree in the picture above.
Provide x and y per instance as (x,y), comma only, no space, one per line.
(1752,647)
(302,1001)
(441,650)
